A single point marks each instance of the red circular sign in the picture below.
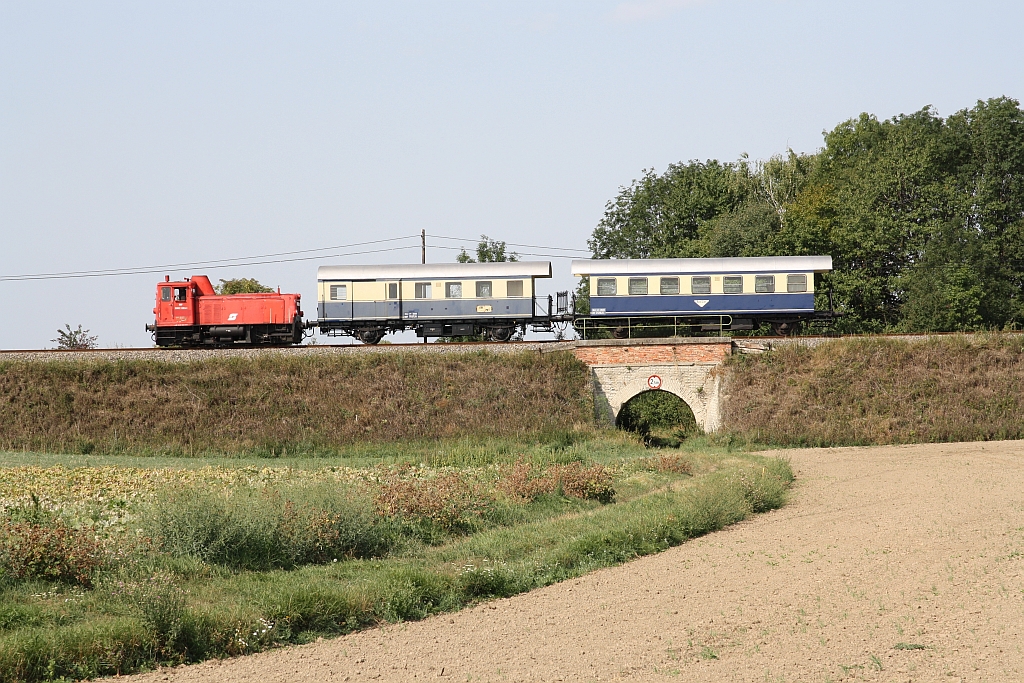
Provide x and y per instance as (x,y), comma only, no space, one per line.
(654,382)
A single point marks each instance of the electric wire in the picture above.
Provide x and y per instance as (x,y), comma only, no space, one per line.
(264,259)
(146,269)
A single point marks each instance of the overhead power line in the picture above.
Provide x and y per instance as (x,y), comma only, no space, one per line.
(515,244)
(264,259)
(226,262)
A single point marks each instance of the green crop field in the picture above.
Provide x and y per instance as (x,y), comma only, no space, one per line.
(113,564)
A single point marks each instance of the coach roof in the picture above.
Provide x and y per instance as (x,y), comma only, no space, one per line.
(437,271)
(747,264)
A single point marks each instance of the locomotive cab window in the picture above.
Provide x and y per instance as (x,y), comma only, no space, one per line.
(764,284)
(422,290)
(165,294)
(453,290)
(796,283)
(484,289)
(669,285)
(392,290)
(700,284)
(180,293)
(339,292)
(606,286)
(514,288)
(732,284)
(637,285)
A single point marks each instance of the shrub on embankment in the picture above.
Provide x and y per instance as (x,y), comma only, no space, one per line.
(879,391)
(279,404)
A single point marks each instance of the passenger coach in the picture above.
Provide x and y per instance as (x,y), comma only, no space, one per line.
(713,293)
(435,300)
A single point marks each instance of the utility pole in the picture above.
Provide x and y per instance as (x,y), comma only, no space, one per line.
(423,245)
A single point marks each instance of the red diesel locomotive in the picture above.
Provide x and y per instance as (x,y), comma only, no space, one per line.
(191,313)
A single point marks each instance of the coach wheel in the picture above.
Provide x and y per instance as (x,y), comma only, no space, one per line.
(620,333)
(784,329)
(502,334)
(371,336)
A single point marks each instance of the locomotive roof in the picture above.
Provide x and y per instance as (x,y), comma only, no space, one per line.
(438,271)
(747,264)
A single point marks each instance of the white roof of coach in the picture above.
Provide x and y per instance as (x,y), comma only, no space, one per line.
(748,264)
(436,271)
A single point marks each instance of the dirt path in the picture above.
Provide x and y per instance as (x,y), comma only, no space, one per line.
(919,546)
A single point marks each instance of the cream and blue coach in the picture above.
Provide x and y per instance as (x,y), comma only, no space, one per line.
(435,300)
(740,292)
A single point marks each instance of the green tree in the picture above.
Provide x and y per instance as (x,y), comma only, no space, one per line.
(75,340)
(660,216)
(488,251)
(242,285)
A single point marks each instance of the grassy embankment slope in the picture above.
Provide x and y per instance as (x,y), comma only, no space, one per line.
(851,392)
(280,405)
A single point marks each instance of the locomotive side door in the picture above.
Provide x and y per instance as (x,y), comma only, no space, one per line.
(183,302)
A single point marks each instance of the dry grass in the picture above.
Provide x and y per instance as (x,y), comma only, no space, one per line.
(278,405)
(880,391)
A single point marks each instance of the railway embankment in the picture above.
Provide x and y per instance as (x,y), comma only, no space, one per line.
(284,403)
(877,390)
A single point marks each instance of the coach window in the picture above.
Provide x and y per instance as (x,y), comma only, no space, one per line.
(422,290)
(392,290)
(165,294)
(180,293)
(732,284)
(669,285)
(606,286)
(339,292)
(796,283)
(764,284)
(514,288)
(700,284)
(637,285)
(483,289)
(453,290)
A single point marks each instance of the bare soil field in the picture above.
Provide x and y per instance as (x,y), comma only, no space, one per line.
(890,564)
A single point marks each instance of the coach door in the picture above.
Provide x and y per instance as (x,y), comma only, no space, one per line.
(391,305)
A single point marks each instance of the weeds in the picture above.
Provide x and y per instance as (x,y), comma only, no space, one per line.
(879,391)
(49,550)
(284,406)
(267,527)
(246,559)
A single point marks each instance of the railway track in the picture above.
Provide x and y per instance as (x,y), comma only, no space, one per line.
(477,344)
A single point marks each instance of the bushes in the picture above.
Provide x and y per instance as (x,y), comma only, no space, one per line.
(48,549)
(267,528)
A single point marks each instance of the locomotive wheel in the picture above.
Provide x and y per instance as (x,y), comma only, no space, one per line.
(620,333)
(371,336)
(502,334)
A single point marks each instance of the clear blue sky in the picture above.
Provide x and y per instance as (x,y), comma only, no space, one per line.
(150,133)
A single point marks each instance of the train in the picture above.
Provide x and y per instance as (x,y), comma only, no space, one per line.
(498,301)
(707,293)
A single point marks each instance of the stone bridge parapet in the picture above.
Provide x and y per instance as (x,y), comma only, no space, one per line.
(686,367)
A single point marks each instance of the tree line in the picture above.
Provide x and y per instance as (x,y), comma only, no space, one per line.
(922,215)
